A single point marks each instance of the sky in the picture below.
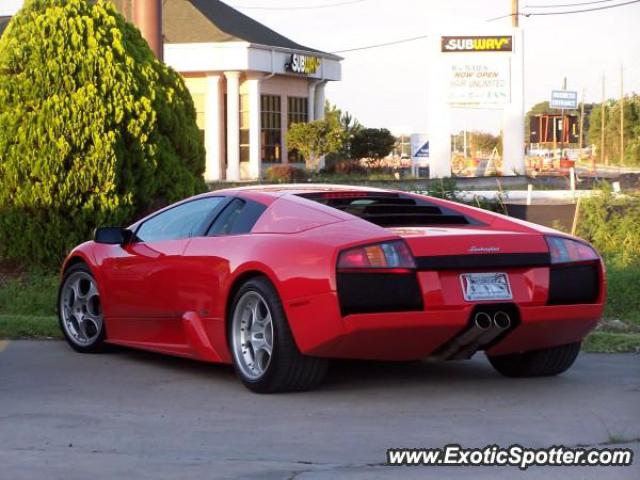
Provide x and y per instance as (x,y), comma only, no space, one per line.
(388,86)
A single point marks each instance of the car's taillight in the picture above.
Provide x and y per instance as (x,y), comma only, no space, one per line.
(390,257)
(565,250)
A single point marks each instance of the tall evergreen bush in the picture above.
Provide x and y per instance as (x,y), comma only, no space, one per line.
(94,129)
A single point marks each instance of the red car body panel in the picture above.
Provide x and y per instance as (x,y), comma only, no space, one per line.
(174,296)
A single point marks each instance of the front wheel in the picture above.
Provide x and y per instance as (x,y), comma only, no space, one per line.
(538,363)
(265,355)
(80,310)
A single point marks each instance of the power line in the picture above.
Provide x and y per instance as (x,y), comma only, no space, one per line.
(594,9)
(508,15)
(386,44)
(422,37)
(307,7)
(565,12)
(569,4)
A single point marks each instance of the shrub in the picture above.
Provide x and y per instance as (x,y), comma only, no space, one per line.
(286,174)
(345,166)
(93,128)
(612,224)
(316,139)
(372,144)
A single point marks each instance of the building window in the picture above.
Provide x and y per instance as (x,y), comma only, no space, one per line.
(271,140)
(244,128)
(298,112)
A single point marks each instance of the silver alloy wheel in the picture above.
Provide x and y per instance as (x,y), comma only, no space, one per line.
(252,335)
(80,309)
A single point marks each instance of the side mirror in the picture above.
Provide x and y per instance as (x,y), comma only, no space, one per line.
(112,235)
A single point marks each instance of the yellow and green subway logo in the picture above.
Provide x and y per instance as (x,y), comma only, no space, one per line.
(477,44)
(303,64)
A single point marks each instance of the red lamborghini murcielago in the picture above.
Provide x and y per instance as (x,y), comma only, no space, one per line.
(278,280)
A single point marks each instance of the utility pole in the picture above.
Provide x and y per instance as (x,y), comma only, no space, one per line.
(464,142)
(513,114)
(603,158)
(554,121)
(581,122)
(621,116)
(562,123)
(593,159)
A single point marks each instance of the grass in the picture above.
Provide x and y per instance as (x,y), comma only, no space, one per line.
(610,342)
(29,326)
(30,294)
(28,310)
(623,301)
(28,306)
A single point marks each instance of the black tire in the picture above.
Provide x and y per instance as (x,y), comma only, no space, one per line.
(97,343)
(288,370)
(537,363)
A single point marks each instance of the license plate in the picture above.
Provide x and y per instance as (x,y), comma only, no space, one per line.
(485,286)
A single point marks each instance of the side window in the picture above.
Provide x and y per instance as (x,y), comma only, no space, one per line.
(179,222)
(238,217)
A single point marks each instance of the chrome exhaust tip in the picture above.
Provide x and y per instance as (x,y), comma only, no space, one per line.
(482,320)
(502,320)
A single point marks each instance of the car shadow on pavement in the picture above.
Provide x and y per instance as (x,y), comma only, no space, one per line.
(179,365)
(342,375)
(363,374)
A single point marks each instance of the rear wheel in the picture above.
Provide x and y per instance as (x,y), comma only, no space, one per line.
(265,355)
(538,363)
(80,310)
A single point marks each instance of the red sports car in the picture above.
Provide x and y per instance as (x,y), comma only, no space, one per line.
(278,280)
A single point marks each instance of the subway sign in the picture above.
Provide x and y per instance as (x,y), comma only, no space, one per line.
(492,43)
(303,64)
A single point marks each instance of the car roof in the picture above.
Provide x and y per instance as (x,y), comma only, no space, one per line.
(298,188)
(266,194)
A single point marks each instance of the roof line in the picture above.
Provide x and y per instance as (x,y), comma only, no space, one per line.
(317,53)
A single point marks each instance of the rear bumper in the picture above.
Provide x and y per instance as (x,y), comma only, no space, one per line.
(320,330)
(549,326)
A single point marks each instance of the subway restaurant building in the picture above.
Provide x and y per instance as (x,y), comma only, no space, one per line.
(248,83)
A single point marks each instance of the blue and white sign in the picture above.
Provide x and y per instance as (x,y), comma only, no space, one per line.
(419,151)
(564,99)
(422,151)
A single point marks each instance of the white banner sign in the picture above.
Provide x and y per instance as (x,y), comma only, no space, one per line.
(479,82)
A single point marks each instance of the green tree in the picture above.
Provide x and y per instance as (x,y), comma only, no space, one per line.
(631,115)
(350,126)
(483,142)
(372,144)
(478,143)
(612,130)
(93,128)
(595,128)
(317,139)
(632,140)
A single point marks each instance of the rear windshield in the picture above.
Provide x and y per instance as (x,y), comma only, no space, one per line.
(388,209)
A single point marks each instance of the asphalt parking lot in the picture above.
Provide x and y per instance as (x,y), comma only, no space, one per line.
(132,414)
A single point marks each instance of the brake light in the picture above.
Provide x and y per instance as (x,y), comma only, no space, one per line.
(392,257)
(341,194)
(331,195)
(565,250)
